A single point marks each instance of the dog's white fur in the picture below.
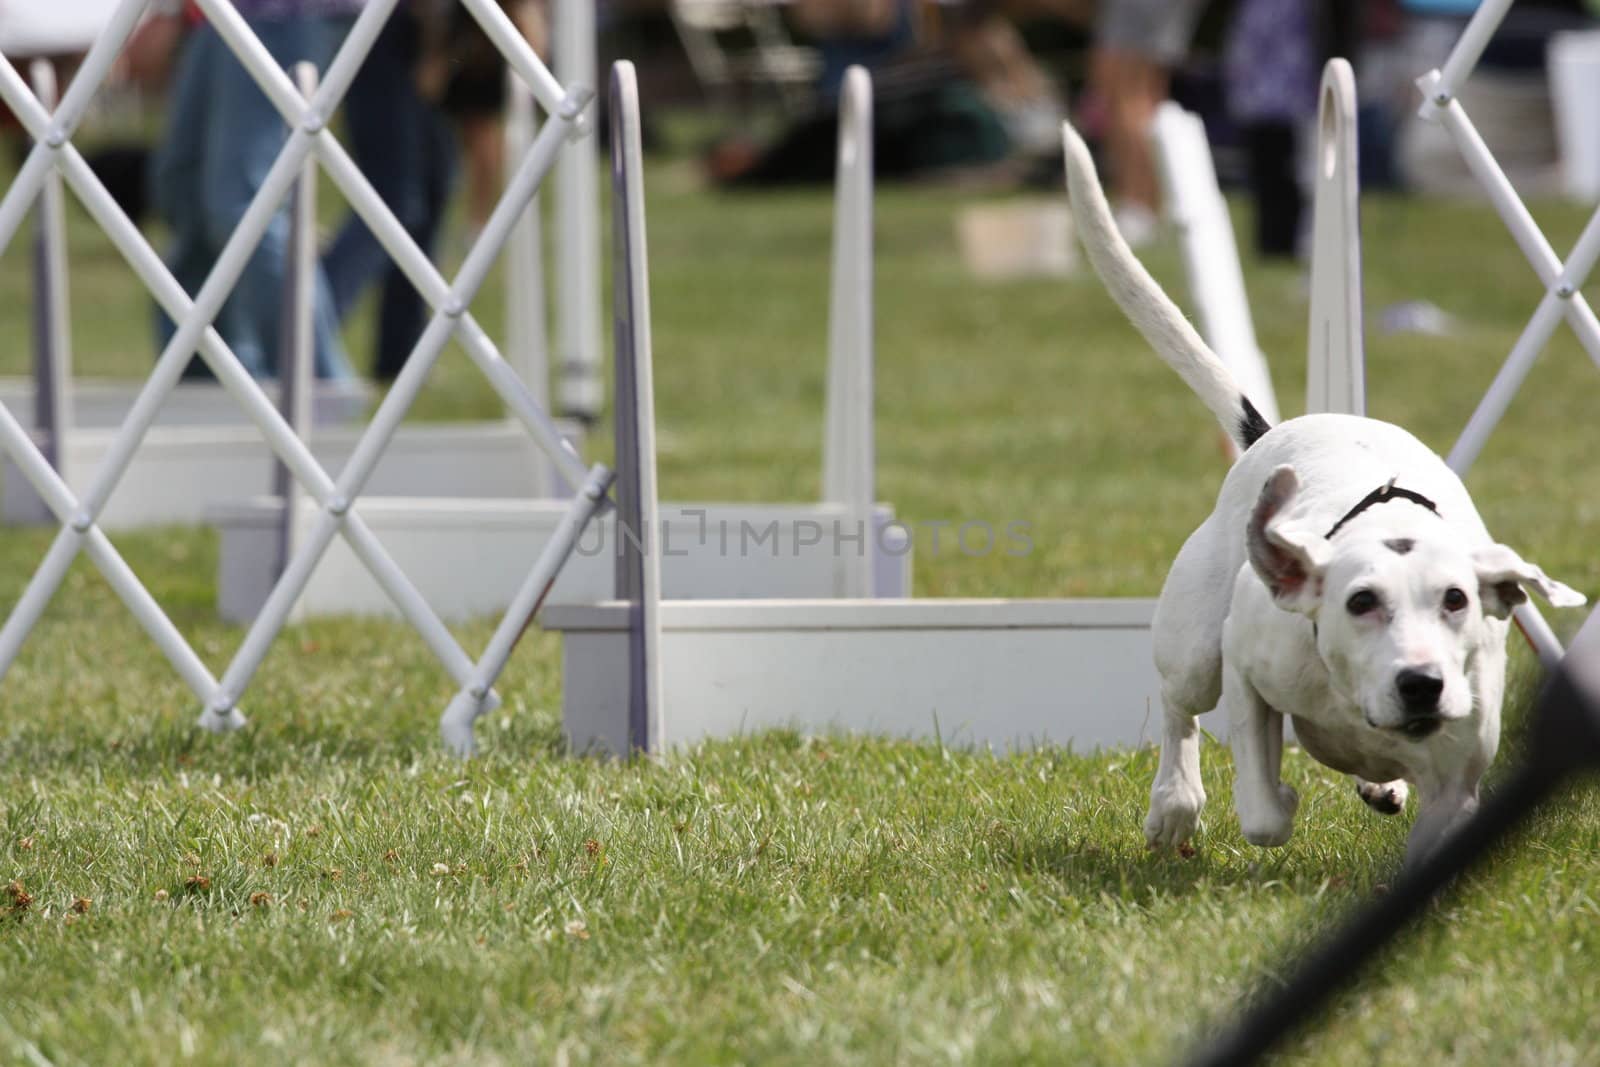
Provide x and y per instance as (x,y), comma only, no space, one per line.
(1257,612)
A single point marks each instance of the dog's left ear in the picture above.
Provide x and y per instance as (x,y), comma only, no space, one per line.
(1287,556)
(1502,574)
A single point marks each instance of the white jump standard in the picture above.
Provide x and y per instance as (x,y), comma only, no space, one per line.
(333,499)
(1335,354)
(1001,673)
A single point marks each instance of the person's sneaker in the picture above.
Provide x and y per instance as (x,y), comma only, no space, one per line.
(1136,223)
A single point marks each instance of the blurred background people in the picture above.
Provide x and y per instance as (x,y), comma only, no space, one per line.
(431,94)
(1272,72)
(465,74)
(848,33)
(221,137)
(966,100)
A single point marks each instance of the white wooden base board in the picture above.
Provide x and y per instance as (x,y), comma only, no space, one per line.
(180,472)
(1001,674)
(102,403)
(467,557)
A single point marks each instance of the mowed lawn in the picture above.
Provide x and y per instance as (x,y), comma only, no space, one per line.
(327,886)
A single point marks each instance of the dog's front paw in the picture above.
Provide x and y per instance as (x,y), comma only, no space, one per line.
(1174,813)
(1269,823)
(1386,798)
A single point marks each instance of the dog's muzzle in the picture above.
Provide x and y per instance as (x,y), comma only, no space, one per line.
(1419,690)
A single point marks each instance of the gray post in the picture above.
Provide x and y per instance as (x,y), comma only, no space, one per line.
(296,338)
(638,527)
(52,342)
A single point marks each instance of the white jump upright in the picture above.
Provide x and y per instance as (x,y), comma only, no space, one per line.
(527,339)
(1562,280)
(334,500)
(849,459)
(637,550)
(297,360)
(639,529)
(1335,356)
(579,388)
(974,672)
(712,550)
(52,325)
(1197,209)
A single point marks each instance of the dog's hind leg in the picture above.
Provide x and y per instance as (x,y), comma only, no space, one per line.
(1265,805)
(1386,798)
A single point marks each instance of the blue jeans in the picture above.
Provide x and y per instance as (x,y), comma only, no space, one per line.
(406,148)
(222,137)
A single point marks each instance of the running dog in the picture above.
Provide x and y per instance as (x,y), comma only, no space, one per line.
(1344,579)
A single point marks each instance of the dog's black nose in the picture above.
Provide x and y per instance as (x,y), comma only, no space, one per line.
(1420,688)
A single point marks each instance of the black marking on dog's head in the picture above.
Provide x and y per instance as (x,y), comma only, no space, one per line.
(1400,545)
(1252,427)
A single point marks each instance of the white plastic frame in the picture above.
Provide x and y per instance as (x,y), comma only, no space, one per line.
(309,138)
(1562,280)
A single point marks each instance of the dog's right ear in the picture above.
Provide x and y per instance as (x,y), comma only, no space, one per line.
(1288,557)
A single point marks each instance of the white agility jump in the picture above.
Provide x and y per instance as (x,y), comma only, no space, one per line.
(711,551)
(1562,280)
(984,672)
(996,673)
(79,511)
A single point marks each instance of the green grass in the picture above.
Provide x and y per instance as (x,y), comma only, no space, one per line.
(773,898)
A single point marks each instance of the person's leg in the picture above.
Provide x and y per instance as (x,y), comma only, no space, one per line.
(1137,43)
(483,144)
(175,166)
(1131,87)
(382,132)
(244,135)
(402,313)
(1275,187)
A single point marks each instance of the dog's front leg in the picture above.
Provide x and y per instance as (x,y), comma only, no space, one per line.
(1176,795)
(1442,810)
(1265,805)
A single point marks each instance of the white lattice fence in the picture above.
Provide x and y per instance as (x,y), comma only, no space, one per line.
(1562,280)
(309,138)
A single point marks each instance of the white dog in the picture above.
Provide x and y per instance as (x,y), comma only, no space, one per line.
(1344,579)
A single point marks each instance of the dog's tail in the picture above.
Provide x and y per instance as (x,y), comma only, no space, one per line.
(1151,311)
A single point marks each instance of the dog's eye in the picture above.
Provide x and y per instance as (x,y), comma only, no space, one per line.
(1454,599)
(1361,602)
